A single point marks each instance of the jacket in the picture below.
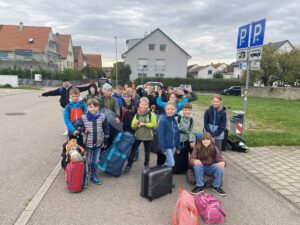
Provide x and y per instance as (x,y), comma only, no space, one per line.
(72,113)
(186,128)
(215,122)
(178,104)
(196,154)
(110,103)
(127,114)
(144,133)
(96,130)
(119,98)
(168,133)
(64,94)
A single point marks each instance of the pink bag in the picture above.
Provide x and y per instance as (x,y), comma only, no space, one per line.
(74,176)
(185,212)
(209,208)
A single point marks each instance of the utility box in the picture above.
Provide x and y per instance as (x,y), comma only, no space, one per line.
(237,122)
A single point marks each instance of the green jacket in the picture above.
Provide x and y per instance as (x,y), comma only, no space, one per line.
(144,133)
(110,103)
(186,129)
(90,96)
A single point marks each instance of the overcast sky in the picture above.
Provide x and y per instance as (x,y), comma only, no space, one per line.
(206,29)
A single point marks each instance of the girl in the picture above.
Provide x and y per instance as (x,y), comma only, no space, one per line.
(215,120)
(168,134)
(207,159)
(92,93)
(173,99)
(143,123)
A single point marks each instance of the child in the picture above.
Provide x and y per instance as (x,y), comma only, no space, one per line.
(207,159)
(143,123)
(128,110)
(63,92)
(172,98)
(92,93)
(118,94)
(215,120)
(168,134)
(72,113)
(96,133)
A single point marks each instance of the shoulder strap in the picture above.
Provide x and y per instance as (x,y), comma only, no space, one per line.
(149,115)
(191,122)
(178,118)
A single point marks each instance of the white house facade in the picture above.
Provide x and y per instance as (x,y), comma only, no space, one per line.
(156,55)
(206,72)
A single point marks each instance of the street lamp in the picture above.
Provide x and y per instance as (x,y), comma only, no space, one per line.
(116,41)
(144,67)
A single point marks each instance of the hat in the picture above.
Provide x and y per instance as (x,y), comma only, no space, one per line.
(198,135)
(106,87)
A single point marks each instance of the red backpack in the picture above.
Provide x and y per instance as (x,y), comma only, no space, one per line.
(75,113)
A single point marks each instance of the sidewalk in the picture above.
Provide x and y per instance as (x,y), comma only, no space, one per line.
(276,167)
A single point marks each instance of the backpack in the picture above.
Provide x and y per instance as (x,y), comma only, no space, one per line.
(236,143)
(76,113)
(179,119)
(185,211)
(209,208)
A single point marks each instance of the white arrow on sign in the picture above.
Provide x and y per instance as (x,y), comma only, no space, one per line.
(255,53)
(241,55)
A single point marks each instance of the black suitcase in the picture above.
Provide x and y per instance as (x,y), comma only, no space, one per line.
(154,147)
(181,161)
(156,182)
(225,140)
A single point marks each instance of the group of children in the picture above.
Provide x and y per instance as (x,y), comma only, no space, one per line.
(142,115)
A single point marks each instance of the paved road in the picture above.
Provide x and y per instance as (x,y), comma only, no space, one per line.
(31,147)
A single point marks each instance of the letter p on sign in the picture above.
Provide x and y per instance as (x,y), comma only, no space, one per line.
(257,33)
(243,36)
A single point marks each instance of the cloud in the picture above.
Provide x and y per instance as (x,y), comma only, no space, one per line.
(206,29)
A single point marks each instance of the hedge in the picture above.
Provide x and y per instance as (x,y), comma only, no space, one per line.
(210,85)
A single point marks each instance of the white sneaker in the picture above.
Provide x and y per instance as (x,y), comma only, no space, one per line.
(66,133)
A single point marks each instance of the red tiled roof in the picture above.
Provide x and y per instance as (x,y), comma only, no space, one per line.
(11,38)
(93,60)
(62,41)
(77,50)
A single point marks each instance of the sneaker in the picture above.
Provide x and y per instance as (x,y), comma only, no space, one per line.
(127,170)
(197,190)
(219,191)
(96,180)
(66,133)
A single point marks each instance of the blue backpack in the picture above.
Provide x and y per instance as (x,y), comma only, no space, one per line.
(112,160)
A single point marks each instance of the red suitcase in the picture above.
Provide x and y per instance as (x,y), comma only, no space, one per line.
(74,176)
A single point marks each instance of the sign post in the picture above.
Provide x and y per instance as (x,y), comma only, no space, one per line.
(256,31)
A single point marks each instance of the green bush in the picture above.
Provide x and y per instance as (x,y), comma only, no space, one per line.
(210,85)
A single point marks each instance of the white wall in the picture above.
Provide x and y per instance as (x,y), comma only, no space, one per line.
(203,74)
(175,59)
(9,79)
(286,47)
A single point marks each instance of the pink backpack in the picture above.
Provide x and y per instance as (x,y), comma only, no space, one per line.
(185,212)
(209,208)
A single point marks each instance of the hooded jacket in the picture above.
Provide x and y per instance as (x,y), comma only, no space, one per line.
(72,113)
(215,122)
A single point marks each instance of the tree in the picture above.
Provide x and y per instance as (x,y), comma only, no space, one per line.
(124,72)
(268,65)
(218,75)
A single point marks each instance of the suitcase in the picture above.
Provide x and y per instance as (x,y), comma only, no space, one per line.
(113,159)
(225,140)
(74,176)
(181,161)
(156,182)
(154,147)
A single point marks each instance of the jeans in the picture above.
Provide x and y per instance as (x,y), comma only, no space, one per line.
(93,159)
(134,149)
(213,170)
(218,143)
(170,162)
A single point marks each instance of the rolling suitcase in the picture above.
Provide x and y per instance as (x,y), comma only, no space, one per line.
(74,176)
(156,182)
(181,161)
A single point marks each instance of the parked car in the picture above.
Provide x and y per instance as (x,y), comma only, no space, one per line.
(234,90)
(103,80)
(185,86)
(155,84)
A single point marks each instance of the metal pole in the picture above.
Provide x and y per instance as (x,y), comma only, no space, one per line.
(142,75)
(246,88)
(116,38)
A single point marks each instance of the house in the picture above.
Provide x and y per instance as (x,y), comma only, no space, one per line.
(281,46)
(78,57)
(65,50)
(156,55)
(206,72)
(107,71)
(194,69)
(222,67)
(28,47)
(236,70)
(93,60)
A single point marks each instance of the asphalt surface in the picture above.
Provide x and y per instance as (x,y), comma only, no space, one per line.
(31,148)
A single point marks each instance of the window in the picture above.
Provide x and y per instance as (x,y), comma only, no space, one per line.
(162,47)
(68,64)
(140,75)
(159,75)
(160,65)
(151,47)
(30,40)
(142,64)
(209,72)
(3,55)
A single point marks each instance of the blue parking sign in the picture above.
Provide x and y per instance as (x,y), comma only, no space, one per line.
(243,36)
(257,33)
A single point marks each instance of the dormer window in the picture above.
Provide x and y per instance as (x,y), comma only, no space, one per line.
(30,40)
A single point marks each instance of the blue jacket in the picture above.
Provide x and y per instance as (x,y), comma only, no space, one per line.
(214,121)
(168,133)
(73,112)
(179,105)
(119,98)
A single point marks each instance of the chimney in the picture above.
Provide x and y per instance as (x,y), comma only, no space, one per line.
(21,25)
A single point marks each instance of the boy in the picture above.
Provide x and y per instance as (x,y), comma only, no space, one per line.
(128,110)
(118,94)
(96,133)
(143,123)
(72,113)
